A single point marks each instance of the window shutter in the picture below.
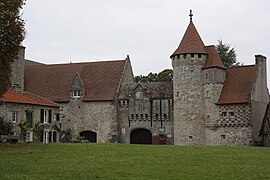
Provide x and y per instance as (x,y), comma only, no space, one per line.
(42,116)
(50,116)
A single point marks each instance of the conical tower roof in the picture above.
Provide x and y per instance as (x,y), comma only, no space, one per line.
(191,41)
(213,59)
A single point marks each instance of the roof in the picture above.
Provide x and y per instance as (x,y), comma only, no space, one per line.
(156,90)
(191,42)
(24,97)
(100,79)
(238,85)
(213,59)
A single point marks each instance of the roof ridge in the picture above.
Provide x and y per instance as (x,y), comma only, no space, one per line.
(88,62)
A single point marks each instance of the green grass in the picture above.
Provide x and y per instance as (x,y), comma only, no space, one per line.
(121,161)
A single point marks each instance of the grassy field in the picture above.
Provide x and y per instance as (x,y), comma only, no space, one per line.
(121,161)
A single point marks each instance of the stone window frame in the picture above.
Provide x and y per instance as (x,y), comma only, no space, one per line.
(223,137)
(76,94)
(14,117)
(231,114)
(224,114)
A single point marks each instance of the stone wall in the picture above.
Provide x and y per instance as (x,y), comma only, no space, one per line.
(99,117)
(146,114)
(6,110)
(234,126)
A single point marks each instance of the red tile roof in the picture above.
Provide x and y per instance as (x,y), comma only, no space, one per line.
(191,42)
(213,59)
(100,79)
(238,85)
(26,98)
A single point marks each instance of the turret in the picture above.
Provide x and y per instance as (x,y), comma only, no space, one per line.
(188,60)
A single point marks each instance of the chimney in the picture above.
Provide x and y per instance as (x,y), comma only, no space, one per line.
(17,73)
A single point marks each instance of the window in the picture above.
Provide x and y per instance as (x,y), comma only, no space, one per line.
(45,116)
(139,95)
(206,76)
(192,55)
(146,116)
(76,94)
(224,114)
(29,118)
(231,114)
(56,117)
(190,137)
(14,117)
(199,55)
(223,137)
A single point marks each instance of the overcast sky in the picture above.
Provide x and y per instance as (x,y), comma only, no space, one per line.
(60,31)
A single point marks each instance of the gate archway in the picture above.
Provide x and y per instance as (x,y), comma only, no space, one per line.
(141,136)
(89,135)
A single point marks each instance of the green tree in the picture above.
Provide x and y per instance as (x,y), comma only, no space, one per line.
(163,76)
(37,130)
(12,33)
(24,126)
(227,54)
(5,127)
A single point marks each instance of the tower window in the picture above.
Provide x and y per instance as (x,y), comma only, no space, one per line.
(223,137)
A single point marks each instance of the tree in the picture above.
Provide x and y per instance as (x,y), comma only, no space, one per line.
(227,54)
(163,76)
(5,127)
(12,33)
(24,129)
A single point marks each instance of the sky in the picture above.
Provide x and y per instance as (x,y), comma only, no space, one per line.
(63,31)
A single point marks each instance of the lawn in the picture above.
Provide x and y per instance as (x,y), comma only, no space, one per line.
(122,161)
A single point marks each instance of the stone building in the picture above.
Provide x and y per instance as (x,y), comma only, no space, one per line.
(205,104)
(17,106)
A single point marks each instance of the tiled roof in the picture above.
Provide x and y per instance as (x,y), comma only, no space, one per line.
(100,79)
(24,97)
(156,90)
(213,59)
(238,85)
(191,42)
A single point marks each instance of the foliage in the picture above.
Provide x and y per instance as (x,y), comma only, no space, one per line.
(163,76)
(99,161)
(227,54)
(24,126)
(5,127)
(37,130)
(12,33)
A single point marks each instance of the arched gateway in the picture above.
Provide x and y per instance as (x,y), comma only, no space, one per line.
(89,135)
(141,136)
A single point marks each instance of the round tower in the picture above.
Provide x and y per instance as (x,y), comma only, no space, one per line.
(187,61)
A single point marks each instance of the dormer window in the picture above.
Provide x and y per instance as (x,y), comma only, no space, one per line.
(76,94)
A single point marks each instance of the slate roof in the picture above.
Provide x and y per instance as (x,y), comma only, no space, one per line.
(238,85)
(191,42)
(26,98)
(156,90)
(100,79)
(213,58)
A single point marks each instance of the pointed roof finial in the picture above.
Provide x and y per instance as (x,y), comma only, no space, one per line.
(190,15)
